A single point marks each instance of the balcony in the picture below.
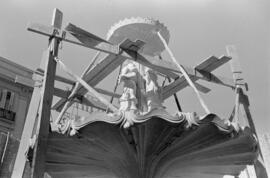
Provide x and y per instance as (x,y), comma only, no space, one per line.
(7,115)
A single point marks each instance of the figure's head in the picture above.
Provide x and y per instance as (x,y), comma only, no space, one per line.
(151,73)
(129,64)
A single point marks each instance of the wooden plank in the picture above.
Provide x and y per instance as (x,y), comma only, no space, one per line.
(206,63)
(61,93)
(65,94)
(129,45)
(40,71)
(92,91)
(235,65)
(219,62)
(111,49)
(180,83)
(39,157)
(96,75)
(174,87)
(202,88)
(84,36)
(142,60)
(105,92)
(102,69)
(81,99)
(66,36)
(210,77)
(69,102)
(57,19)
(168,69)
(89,101)
(72,82)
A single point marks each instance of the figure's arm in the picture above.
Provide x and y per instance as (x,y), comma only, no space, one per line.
(129,75)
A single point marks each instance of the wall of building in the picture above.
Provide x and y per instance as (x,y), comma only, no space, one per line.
(265,147)
(16,87)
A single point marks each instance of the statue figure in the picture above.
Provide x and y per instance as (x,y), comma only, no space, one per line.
(128,100)
(128,76)
(153,92)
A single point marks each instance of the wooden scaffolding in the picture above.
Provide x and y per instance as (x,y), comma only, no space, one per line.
(41,104)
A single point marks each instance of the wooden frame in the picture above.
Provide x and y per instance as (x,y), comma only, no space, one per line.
(116,56)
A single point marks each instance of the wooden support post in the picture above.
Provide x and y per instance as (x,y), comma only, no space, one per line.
(242,99)
(39,157)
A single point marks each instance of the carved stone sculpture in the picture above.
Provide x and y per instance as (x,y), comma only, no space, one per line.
(128,100)
(153,92)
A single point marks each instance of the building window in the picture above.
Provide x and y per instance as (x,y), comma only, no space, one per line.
(7,105)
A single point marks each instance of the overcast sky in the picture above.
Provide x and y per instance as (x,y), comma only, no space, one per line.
(198,29)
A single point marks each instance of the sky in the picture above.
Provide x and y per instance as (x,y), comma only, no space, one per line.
(198,29)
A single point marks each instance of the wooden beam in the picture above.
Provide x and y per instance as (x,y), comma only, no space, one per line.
(158,65)
(163,67)
(39,158)
(96,75)
(83,35)
(40,71)
(61,93)
(212,63)
(142,60)
(202,88)
(88,101)
(195,75)
(105,92)
(66,36)
(93,103)
(65,94)
(72,82)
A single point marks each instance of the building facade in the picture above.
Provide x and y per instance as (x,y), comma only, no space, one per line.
(16,87)
(265,147)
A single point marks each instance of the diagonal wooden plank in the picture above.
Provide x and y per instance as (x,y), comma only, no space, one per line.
(66,36)
(174,87)
(102,69)
(65,94)
(98,73)
(83,35)
(104,47)
(81,99)
(72,82)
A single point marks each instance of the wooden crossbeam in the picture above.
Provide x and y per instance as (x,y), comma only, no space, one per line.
(84,36)
(91,101)
(170,70)
(201,71)
(212,63)
(72,82)
(162,66)
(66,36)
(202,88)
(98,73)
(80,99)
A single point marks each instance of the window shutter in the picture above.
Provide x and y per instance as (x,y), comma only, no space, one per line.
(11,101)
(3,98)
(7,100)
